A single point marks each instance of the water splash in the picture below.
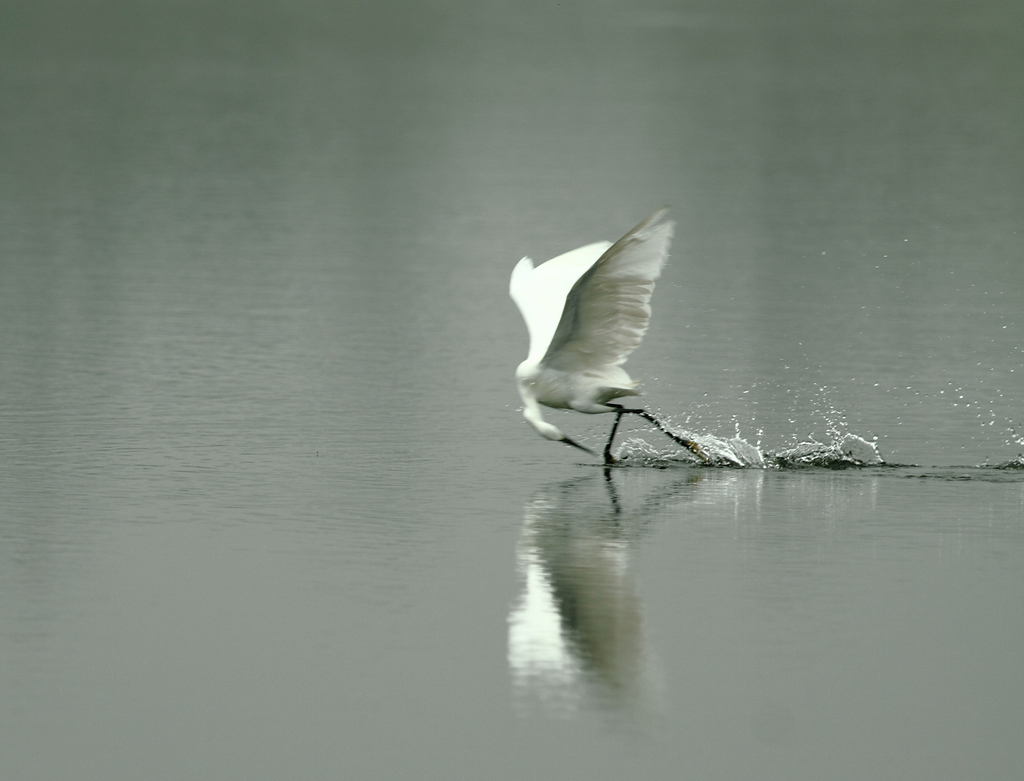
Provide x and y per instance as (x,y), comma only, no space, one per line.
(841,452)
(849,450)
(1014,463)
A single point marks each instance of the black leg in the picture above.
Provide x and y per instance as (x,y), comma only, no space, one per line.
(608,457)
(689,444)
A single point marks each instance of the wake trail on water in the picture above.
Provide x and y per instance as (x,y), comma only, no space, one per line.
(850,451)
(843,450)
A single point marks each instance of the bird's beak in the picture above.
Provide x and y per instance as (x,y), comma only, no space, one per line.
(568,441)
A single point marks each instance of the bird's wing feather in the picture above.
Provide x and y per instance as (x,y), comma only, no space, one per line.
(607,311)
(540,292)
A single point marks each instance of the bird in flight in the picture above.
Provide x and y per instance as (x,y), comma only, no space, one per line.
(585,312)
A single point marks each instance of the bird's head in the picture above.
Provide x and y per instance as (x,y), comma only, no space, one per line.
(531,410)
(526,382)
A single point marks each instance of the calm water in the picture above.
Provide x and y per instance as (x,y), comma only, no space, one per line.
(267,505)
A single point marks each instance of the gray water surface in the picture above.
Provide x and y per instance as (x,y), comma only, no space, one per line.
(268,508)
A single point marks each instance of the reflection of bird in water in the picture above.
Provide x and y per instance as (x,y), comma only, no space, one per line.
(586,311)
(577,629)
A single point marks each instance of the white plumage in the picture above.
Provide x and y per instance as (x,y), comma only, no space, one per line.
(586,311)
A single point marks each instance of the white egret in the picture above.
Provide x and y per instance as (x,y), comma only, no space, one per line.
(585,312)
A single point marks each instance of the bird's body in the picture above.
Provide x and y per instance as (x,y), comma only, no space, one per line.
(586,311)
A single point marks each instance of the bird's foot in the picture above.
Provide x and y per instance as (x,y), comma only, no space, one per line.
(694,448)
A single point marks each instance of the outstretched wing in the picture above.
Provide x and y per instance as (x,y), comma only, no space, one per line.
(608,309)
(540,292)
